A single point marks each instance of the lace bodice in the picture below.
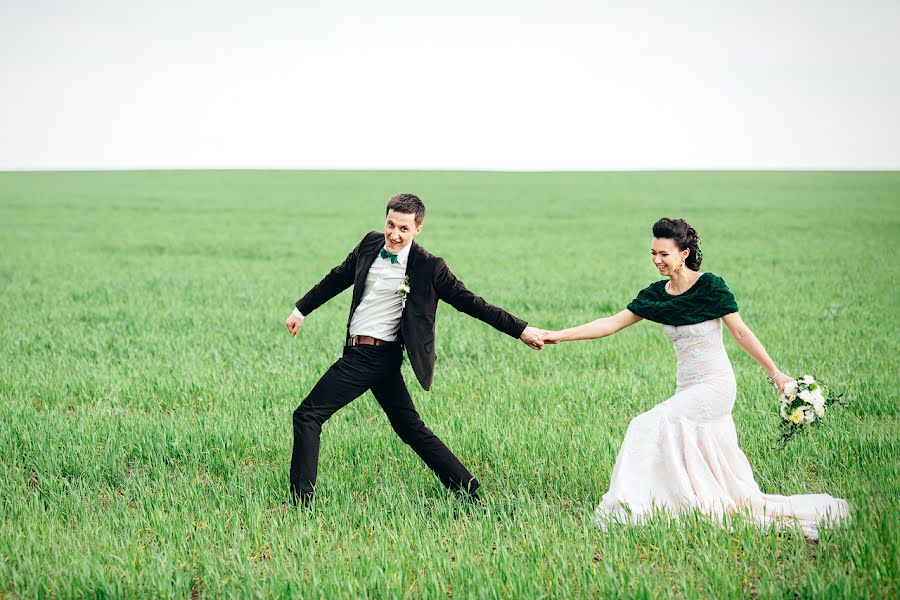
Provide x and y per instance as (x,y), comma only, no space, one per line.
(701,354)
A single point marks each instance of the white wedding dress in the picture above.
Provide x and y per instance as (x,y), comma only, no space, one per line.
(683,453)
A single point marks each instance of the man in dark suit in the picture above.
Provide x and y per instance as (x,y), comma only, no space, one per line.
(397,285)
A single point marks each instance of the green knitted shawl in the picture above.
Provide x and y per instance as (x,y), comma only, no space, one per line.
(709,298)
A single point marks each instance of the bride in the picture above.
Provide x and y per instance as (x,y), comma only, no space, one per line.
(683,453)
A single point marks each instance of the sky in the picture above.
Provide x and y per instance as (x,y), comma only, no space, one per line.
(483,85)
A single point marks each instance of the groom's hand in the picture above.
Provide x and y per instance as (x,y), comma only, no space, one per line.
(293,324)
(533,338)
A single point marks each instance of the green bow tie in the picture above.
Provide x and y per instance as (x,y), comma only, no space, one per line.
(385,254)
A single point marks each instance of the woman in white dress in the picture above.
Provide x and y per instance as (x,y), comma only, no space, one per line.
(683,453)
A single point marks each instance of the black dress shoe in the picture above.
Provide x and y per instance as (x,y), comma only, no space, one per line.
(474,498)
(471,496)
(300,499)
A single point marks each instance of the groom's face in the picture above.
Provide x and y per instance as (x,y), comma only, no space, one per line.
(399,230)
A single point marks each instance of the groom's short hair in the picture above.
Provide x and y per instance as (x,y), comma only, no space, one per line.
(407,203)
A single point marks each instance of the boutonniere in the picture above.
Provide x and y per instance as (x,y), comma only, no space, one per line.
(403,291)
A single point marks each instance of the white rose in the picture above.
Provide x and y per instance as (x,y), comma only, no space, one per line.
(809,416)
(818,402)
(790,388)
(817,398)
(806,396)
(807,379)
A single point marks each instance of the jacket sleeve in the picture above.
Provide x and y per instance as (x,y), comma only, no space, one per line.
(452,291)
(336,281)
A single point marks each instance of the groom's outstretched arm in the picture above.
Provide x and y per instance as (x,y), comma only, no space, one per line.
(452,291)
(336,281)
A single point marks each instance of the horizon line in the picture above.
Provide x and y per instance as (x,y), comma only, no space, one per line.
(454,170)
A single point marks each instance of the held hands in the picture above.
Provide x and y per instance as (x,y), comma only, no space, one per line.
(293,324)
(552,337)
(537,338)
(533,338)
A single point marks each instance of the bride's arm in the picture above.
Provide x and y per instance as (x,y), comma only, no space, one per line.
(593,330)
(747,340)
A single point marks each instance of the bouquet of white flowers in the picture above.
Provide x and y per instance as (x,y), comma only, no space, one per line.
(803,402)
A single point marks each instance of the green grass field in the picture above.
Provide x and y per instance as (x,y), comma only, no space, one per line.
(148,383)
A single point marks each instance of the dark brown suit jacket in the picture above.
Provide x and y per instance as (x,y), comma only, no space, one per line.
(429,281)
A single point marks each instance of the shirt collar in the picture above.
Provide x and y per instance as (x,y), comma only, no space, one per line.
(403,254)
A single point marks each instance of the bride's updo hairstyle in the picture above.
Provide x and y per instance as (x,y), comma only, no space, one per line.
(684,236)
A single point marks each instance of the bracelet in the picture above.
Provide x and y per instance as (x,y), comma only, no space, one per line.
(771,378)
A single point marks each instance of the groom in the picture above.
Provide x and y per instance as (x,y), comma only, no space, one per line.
(396,288)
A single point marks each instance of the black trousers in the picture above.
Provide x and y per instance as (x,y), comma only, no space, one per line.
(363,368)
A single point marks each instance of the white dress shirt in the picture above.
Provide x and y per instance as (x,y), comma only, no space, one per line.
(379,310)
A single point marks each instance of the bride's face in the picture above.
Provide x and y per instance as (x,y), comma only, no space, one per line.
(666,255)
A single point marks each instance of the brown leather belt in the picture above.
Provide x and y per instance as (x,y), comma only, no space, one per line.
(367,340)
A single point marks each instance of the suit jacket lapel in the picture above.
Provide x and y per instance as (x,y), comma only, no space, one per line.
(362,271)
(410,277)
(411,259)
